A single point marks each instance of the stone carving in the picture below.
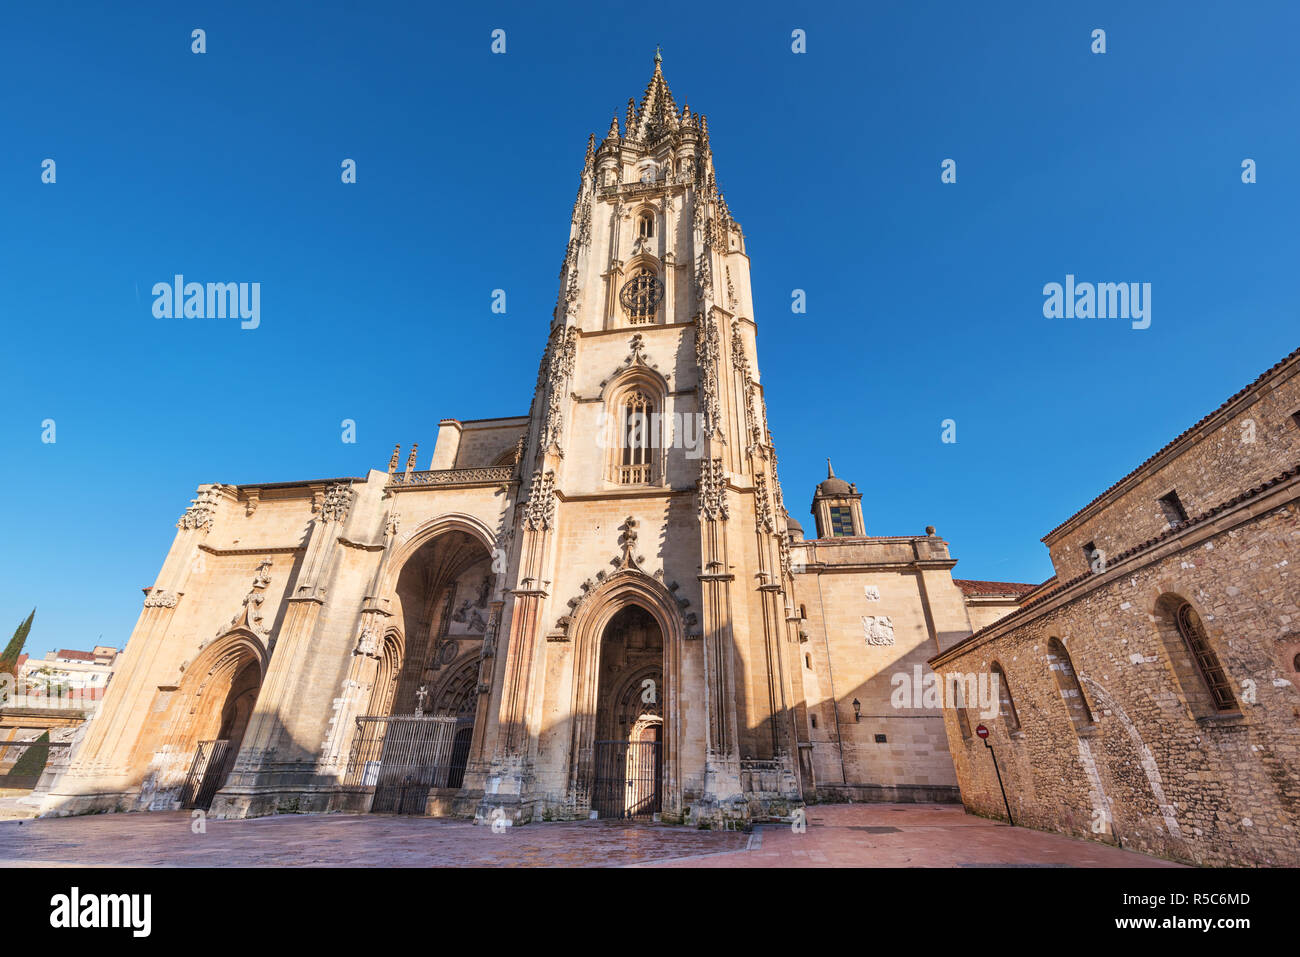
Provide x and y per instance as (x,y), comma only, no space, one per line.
(410,459)
(712,490)
(338,500)
(872,592)
(539,510)
(628,541)
(764,503)
(878,629)
(161,598)
(496,473)
(370,644)
(706,354)
(704,277)
(249,617)
(203,508)
(393,523)
(392,462)
(421,697)
(560,369)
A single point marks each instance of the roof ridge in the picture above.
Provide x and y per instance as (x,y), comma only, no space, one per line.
(1175,440)
(1131,552)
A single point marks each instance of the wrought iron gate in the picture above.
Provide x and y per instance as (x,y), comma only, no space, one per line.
(629,777)
(206,776)
(403,758)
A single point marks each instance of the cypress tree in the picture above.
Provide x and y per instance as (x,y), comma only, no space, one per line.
(9,657)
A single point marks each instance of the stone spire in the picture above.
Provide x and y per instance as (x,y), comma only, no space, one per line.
(658,113)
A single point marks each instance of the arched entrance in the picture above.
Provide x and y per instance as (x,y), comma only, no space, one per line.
(216,704)
(628,750)
(416,743)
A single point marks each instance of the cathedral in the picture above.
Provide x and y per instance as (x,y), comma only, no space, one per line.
(600,608)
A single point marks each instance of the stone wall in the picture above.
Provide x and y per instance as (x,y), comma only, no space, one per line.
(1156,770)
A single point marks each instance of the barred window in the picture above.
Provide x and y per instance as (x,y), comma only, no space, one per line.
(1207,662)
(841,521)
(635,440)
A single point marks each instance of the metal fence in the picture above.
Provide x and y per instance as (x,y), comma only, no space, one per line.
(628,776)
(207,773)
(405,757)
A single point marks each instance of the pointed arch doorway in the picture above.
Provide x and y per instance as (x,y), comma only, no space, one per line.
(628,755)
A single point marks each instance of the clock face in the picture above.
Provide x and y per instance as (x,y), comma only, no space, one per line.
(641,294)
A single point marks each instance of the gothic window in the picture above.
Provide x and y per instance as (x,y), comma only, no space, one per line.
(841,521)
(645,225)
(641,294)
(636,439)
(1006,706)
(1207,662)
(1067,683)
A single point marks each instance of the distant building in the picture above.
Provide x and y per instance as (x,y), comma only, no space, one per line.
(78,674)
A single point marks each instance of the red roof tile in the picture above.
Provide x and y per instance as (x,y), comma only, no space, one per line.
(992,589)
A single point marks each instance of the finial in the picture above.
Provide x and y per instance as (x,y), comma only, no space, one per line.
(392,463)
(830,472)
(659,58)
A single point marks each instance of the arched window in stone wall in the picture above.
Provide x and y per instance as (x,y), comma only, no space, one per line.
(1006,706)
(641,295)
(645,224)
(636,422)
(635,429)
(1200,675)
(1207,662)
(1067,682)
(955,697)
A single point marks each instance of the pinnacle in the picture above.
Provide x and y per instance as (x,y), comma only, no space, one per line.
(830,472)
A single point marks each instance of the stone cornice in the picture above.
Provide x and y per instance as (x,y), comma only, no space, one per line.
(266,550)
(820,568)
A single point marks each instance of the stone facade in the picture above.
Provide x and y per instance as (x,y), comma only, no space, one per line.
(555,591)
(1151,695)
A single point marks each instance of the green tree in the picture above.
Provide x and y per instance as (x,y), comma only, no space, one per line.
(9,657)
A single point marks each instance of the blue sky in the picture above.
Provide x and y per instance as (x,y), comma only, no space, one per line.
(924,299)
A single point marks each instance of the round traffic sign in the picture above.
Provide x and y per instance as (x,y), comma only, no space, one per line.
(982,731)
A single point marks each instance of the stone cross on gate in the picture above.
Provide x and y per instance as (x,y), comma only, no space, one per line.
(420,697)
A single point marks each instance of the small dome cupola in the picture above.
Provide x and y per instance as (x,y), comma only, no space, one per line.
(837,507)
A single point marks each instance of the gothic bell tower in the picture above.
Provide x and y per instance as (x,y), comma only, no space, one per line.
(650,480)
